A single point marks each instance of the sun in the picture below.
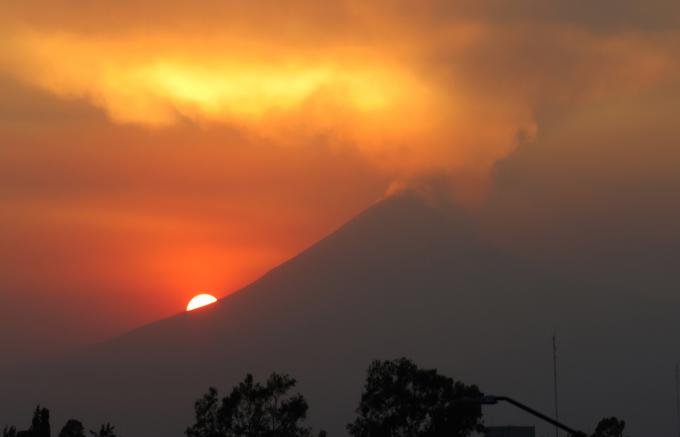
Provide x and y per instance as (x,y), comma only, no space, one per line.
(200,300)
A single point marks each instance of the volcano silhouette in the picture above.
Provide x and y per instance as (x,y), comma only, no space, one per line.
(400,279)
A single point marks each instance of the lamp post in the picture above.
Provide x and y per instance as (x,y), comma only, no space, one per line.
(493,400)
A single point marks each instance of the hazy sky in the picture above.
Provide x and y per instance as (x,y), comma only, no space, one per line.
(151,150)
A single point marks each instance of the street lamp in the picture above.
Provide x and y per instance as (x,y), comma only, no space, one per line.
(493,400)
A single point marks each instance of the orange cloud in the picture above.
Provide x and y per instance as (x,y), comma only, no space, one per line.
(420,97)
(139,80)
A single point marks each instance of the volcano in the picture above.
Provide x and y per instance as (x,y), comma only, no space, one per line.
(401,279)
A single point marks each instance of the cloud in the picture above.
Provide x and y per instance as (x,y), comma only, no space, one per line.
(596,188)
(446,87)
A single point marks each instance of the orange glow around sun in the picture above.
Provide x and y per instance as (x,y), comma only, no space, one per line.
(200,301)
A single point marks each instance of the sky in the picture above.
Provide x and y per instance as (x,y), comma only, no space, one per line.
(153,150)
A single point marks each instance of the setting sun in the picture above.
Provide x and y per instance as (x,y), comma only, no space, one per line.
(200,300)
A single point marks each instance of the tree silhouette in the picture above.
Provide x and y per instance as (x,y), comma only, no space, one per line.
(106,430)
(401,400)
(73,428)
(208,423)
(252,409)
(40,424)
(40,427)
(610,427)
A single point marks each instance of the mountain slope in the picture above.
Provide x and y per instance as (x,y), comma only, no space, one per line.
(401,279)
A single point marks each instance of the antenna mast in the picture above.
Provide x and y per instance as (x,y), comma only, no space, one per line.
(677,395)
(554,348)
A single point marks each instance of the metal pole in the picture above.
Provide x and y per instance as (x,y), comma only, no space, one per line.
(677,395)
(557,416)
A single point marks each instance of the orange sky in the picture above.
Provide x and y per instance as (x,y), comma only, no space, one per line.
(151,150)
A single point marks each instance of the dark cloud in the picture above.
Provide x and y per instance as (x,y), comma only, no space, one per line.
(597,186)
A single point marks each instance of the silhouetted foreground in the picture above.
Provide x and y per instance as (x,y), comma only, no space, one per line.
(610,427)
(398,400)
(40,427)
(253,409)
